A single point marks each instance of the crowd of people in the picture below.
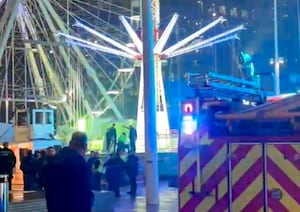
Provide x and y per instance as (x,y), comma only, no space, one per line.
(68,176)
(33,167)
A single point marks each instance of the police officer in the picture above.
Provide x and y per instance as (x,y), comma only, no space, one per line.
(113,136)
(8,162)
(132,138)
(132,169)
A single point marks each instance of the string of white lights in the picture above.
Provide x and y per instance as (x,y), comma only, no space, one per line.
(166,34)
(107,39)
(193,36)
(206,42)
(177,53)
(136,40)
(87,44)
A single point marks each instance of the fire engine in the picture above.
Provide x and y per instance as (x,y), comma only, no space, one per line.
(238,149)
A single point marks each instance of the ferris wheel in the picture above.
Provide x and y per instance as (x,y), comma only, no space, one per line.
(40,70)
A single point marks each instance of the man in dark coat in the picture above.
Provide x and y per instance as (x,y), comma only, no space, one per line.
(29,167)
(49,159)
(7,161)
(94,165)
(132,138)
(114,173)
(113,136)
(67,183)
(132,167)
(108,140)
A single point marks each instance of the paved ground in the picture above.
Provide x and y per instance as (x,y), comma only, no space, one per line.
(34,202)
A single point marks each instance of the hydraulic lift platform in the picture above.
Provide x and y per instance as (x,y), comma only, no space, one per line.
(242,107)
(225,87)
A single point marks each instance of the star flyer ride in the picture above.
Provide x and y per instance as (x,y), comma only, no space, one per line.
(238,149)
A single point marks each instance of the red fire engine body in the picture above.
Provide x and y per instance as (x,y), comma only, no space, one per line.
(237,151)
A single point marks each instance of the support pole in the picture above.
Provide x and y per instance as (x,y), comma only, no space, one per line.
(276,56)
(151,162)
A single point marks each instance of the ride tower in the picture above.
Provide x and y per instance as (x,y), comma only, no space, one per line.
(187,45)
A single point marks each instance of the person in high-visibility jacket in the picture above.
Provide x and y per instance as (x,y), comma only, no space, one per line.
(122,142)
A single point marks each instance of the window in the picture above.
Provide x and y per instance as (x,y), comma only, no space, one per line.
(222,10)
(244,14)
(22,119)
(234,12)
(39,118)
(48,117)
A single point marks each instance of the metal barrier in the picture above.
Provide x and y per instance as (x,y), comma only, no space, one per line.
(4,193)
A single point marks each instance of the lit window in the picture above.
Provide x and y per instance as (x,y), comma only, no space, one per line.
(234,12)
(244,13)
(222,10)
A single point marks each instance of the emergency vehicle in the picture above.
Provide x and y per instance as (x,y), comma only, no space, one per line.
(238,150)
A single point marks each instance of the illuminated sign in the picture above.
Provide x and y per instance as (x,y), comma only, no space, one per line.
(188,128)
(188,108)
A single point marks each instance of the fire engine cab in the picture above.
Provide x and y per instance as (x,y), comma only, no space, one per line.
(238,149)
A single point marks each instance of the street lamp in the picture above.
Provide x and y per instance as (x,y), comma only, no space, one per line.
(276,54)
(280,61)
(276,75)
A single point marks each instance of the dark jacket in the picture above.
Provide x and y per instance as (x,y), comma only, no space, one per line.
(7,161)
(113,133)
(67,183)
(46,163)
(114,169)
(132,134)
(29,166)
(132,166)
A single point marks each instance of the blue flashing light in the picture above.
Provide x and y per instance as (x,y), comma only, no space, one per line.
(188,125)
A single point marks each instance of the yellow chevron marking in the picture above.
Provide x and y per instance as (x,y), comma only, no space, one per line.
(185,195)
(285,165)
(286,200)
(222,188)
(252,190)
(206,204)
(197,180)
(187,161)
(253,155)
(296,147)
(214,164)
(205,140)
(269,210)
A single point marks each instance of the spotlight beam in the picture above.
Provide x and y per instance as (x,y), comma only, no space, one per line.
(107,39)
(200,44)
(136,40)
(192,36)
(166,34)
(78,41)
